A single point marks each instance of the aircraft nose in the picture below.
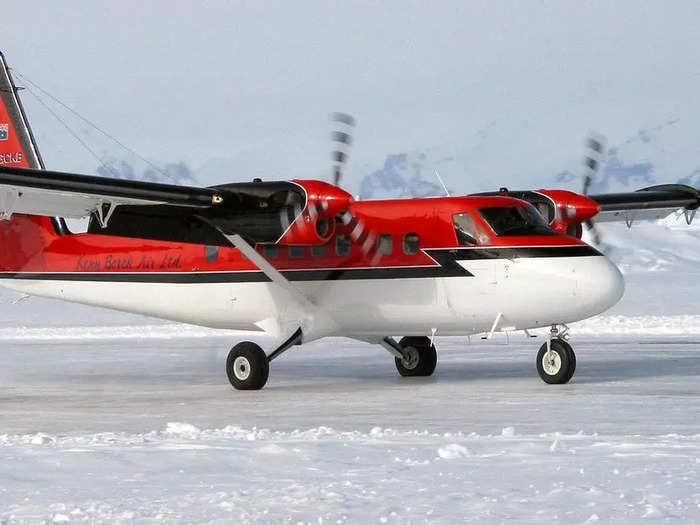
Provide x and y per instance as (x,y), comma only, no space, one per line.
(603,285)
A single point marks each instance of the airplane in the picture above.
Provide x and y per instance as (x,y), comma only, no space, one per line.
(303,260)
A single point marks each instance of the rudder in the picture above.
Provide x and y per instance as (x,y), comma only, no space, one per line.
(21,235)
(17,145)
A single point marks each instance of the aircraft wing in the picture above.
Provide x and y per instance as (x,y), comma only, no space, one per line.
(258,211)
(655,202)
(41,192)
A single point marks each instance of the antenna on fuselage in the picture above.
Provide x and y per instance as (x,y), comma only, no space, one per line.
(442,183)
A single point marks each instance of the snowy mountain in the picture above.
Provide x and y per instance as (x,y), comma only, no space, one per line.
(171,173)
(660,154)
(615,174)
(402,175)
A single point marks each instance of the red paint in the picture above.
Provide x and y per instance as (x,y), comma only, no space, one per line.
(323,202)
(20,237)
(572,209)
(28,246)
(11,153)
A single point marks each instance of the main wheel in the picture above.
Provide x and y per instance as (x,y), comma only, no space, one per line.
(559,367)
(247,367)
(572,358)
(420,357)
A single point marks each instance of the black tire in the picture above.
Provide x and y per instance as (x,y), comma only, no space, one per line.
(423,357)
(562,367)
(572,358)
(247,366)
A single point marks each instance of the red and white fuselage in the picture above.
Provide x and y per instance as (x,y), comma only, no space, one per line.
(443,286)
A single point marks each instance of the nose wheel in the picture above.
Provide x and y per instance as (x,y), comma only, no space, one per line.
(556,365)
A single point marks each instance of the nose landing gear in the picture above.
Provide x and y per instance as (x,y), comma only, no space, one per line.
(556,360)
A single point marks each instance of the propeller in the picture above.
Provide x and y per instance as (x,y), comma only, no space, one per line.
(343,140)
(595,148)
(360,234)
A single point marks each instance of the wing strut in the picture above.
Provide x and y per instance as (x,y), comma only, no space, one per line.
(304,318)
(269,270)
(102,217)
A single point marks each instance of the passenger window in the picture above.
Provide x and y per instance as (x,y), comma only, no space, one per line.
(211,253)
(296,251)
(465,229)
(342,245)
(385,244)
(410,243)
(270,251)
(318,251)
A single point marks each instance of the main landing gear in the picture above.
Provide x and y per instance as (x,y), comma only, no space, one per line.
(556,360)
(413,356)
(248,366)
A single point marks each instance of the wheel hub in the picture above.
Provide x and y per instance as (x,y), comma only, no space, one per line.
(551,363)
(410,358)
(241,368)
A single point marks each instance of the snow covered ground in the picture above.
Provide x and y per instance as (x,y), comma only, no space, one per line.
(144,428)
(114,418)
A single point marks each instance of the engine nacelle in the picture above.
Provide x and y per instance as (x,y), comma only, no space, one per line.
(315,224)
(569,211)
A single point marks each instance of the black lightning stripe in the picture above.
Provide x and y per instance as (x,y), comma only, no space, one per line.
(447,267)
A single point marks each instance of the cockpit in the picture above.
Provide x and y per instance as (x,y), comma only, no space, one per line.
(504,221)
(515,220)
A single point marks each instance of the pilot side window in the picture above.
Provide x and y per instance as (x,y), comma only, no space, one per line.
(385,244)
(465,229)
(546,210)
(342,245)
(410,243)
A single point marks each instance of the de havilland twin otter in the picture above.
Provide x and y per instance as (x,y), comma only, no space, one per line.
(302,259)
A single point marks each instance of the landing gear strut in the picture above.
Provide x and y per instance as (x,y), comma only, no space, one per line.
(556,360)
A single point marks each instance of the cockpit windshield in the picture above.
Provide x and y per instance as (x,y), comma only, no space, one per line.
(515,220)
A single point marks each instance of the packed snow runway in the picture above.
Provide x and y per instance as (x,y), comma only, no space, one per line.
(142,426)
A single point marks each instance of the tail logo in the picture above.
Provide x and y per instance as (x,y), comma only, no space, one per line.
(4,131)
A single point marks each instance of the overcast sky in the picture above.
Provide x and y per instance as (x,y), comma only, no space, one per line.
(254,82)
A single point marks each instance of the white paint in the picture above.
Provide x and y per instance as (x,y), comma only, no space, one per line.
(528,292)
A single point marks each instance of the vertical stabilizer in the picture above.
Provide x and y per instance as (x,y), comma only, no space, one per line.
(17,145)
(18,150)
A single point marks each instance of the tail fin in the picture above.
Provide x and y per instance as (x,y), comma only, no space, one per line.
(18,149)
(17,145)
